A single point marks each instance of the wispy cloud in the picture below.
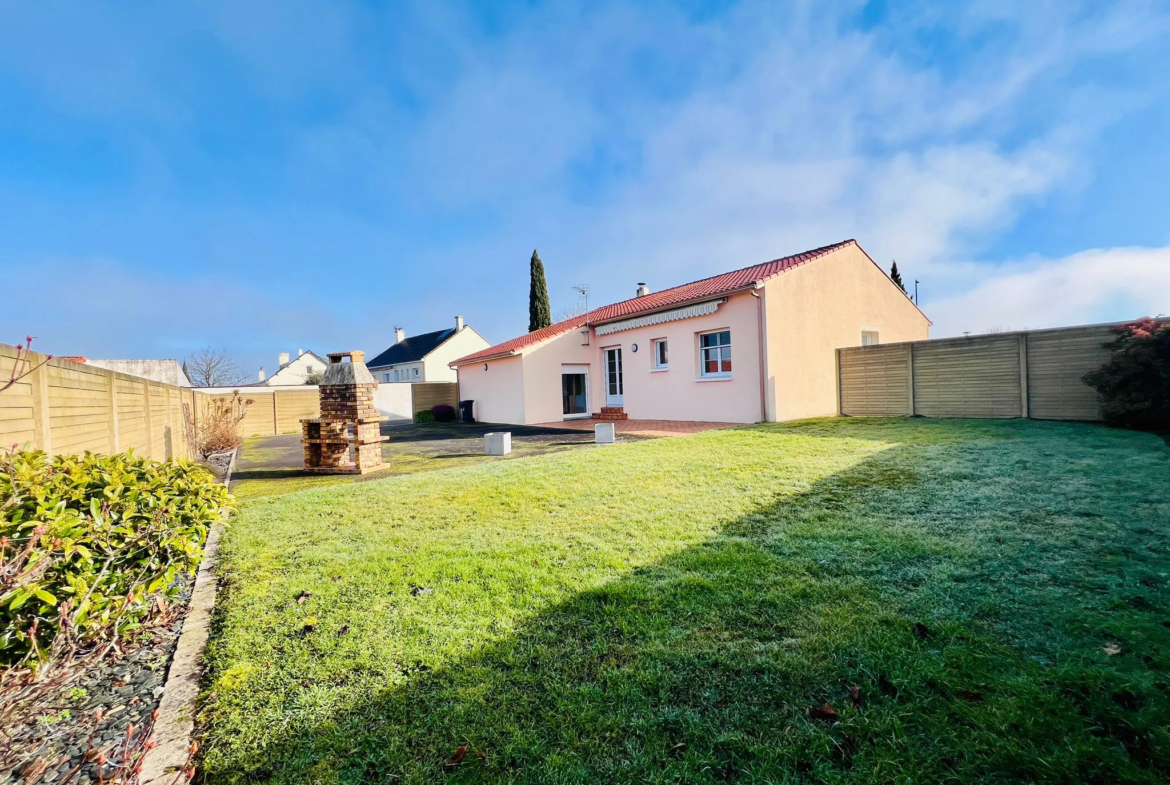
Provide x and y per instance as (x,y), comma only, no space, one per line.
(425,148)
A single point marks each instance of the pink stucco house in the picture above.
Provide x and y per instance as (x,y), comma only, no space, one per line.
(750,345)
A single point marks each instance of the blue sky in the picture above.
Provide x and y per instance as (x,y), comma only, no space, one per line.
(267,176)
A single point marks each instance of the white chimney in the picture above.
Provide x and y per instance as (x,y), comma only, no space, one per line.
(260,376)
(399,335)
(282,358)
(643,289)
(458,324)
(300,352)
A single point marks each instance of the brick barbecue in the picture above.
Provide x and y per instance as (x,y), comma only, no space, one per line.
(346,438)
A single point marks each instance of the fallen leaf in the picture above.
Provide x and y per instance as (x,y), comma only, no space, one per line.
(303,596)
(855,695)
(417,590)
(824,713)
(1112,649)
(343,631)
(457,758)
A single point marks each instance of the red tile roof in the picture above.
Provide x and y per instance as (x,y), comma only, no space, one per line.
(716,286)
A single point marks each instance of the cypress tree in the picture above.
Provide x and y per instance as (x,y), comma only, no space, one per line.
(896,277)
(539,310)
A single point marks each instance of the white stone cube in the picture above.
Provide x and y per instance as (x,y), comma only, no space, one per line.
(603,433)
(497,443)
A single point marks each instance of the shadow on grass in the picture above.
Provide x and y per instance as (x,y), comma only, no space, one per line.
(949,649)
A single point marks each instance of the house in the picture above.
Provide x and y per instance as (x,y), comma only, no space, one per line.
(293,371)
(748,345)
(165,371)
(426,357)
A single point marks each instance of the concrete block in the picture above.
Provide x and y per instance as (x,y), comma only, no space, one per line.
(603,433)
(497,443)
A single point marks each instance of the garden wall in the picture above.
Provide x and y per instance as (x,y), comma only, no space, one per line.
(68,407)
(1036,373)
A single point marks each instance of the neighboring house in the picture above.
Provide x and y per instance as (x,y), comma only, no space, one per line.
(426,357)
(749,345)
(166,371)
(294,371)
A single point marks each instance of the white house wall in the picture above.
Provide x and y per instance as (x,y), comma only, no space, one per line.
(466,341)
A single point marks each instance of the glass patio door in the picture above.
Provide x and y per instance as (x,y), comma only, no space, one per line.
(613,377)
(574,394)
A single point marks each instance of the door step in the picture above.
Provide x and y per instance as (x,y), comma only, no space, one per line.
(611,413)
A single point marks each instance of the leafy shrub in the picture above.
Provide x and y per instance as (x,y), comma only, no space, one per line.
(1133,387)
(216,426)
(91,541)
(424,416)
(444,413)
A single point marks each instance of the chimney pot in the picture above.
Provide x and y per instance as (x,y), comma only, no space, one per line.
(260,376)
(300,352)
(643,289)
(282,359)
(399,335)
(458,324)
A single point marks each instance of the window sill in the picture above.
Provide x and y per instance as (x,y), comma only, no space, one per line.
(659,370)
(724,378)
(585,416)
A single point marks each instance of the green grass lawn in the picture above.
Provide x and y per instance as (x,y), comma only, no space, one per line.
(976,601)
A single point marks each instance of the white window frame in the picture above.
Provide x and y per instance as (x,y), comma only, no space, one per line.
(397,376)
(654,347)
(703,373)
(579,370)
(386,376)
(877,336)
(416,373)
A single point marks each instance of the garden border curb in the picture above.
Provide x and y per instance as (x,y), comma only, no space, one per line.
(176,711)
(175,724)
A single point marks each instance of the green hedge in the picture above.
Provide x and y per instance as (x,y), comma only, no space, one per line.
(98,536)
(426,415)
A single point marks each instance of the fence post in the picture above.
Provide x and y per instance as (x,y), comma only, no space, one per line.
(42,421)
(112,379)
(910,376)
(275,417)
(1024,375)
(149,420)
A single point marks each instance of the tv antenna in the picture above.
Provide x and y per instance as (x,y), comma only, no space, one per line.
(583,290)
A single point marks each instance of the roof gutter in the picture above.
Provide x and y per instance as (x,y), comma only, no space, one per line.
(681,304)
(496,356)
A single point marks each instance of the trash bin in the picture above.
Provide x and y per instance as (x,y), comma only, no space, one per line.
(465,409)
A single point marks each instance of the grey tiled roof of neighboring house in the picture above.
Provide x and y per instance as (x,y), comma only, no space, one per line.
(411,349)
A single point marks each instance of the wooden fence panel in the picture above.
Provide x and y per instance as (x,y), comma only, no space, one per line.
(292,406)
(16,404)
(875,382)
(65,407)
(427,395)
(1057,359)
(132,416)
(1034,374)
(968,377)
(78,408)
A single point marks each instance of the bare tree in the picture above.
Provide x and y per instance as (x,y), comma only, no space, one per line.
(213,368)
(569,311)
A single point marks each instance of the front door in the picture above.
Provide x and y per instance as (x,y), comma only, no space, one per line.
(613,377)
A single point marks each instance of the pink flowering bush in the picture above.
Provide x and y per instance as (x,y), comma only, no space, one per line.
(1134,385)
